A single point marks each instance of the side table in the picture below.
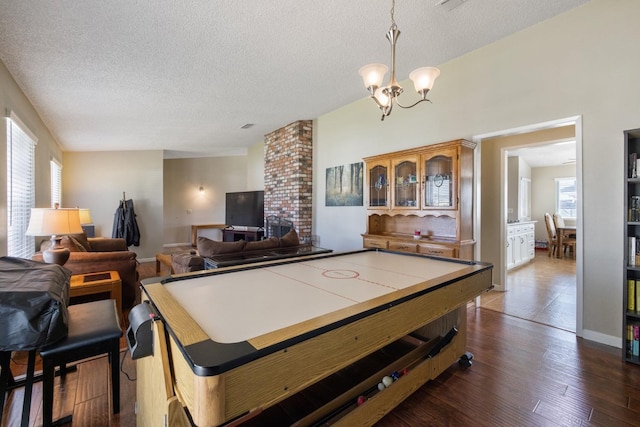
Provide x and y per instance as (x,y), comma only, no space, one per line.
(97,283)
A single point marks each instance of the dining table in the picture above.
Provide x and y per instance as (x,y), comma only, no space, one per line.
(563,232)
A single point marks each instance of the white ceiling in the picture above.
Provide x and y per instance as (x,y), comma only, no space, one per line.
(555,154)
(185,76)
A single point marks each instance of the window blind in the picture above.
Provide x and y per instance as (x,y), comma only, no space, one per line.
(56,183)
(566,197)
(20,188)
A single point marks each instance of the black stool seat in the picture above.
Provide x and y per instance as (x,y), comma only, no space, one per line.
(94,329)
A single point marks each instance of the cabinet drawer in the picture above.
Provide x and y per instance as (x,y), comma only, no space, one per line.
(375,243)
(403,246)
(437,250)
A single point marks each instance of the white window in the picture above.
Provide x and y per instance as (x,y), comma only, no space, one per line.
(56,183)
(566,197)
(20,187)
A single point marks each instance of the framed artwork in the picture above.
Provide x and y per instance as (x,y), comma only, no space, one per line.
(344,185)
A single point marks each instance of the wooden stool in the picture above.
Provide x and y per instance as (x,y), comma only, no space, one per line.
(94,329)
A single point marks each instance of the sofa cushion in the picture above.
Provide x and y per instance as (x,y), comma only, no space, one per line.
(186,262)
(259,245)
(290,239)
(207,247)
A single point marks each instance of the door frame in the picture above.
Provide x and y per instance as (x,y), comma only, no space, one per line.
(500,268)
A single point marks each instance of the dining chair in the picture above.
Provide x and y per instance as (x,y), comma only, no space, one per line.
(558,221)
(568,238)
(551,234)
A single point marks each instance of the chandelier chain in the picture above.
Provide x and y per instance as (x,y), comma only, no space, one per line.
(393,11)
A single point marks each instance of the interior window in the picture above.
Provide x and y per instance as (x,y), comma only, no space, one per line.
(566,197)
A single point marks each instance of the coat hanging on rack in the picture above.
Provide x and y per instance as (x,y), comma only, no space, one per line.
(125,224)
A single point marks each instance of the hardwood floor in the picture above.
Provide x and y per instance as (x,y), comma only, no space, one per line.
(543,291)
(524,373)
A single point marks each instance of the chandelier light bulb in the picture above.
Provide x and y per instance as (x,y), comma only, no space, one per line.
(381,96)
(373,74)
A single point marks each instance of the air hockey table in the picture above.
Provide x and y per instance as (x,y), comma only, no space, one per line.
(228,345)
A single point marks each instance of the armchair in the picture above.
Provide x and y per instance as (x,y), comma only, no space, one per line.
(92,255)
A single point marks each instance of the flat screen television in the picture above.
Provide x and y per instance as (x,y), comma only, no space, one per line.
(245,208)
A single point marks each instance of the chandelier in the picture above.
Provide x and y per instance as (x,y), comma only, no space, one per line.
(385,96)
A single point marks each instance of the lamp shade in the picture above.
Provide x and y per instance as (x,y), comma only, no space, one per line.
(373,74)
(424,78)
(85,216)
(49,221)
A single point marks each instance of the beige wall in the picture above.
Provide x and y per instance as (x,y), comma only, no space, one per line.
(580,63)
(255,167)
(97,180)
(543,193)
(517,169)
(184,205)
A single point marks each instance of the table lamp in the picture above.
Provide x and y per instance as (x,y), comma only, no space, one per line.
(57,223)
(86,222)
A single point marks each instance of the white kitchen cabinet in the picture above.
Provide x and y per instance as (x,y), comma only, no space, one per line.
(520,245)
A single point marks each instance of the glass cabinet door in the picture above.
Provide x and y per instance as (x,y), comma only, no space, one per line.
(439,180)
(378,185)
(405,188)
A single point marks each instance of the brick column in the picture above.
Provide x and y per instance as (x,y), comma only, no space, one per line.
(288,175)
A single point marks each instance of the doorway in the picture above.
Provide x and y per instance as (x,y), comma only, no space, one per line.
(492,194)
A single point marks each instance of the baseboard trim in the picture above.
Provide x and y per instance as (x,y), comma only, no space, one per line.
(173,245)
(602,338)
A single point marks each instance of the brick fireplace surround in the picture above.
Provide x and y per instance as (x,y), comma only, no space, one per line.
(288,175)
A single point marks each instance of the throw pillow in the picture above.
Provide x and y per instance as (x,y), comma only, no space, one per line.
(207,247)
(71,244)
(290,239)
(82,240)
(78,244)
(260,245)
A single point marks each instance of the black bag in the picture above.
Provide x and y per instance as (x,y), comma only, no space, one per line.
(33,303)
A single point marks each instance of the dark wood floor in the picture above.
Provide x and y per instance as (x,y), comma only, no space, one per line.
(524,373)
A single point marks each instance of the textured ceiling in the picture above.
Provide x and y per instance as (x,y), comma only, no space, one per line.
(185,76)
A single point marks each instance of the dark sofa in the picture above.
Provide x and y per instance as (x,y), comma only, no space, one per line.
(207,248)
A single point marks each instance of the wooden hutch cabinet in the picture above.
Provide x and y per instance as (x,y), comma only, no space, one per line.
(426,191)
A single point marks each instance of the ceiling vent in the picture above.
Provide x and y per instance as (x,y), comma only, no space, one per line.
(449,5)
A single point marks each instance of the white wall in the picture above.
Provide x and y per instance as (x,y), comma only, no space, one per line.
(583,62)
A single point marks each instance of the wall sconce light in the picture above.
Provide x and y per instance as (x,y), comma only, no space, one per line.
(201,189)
